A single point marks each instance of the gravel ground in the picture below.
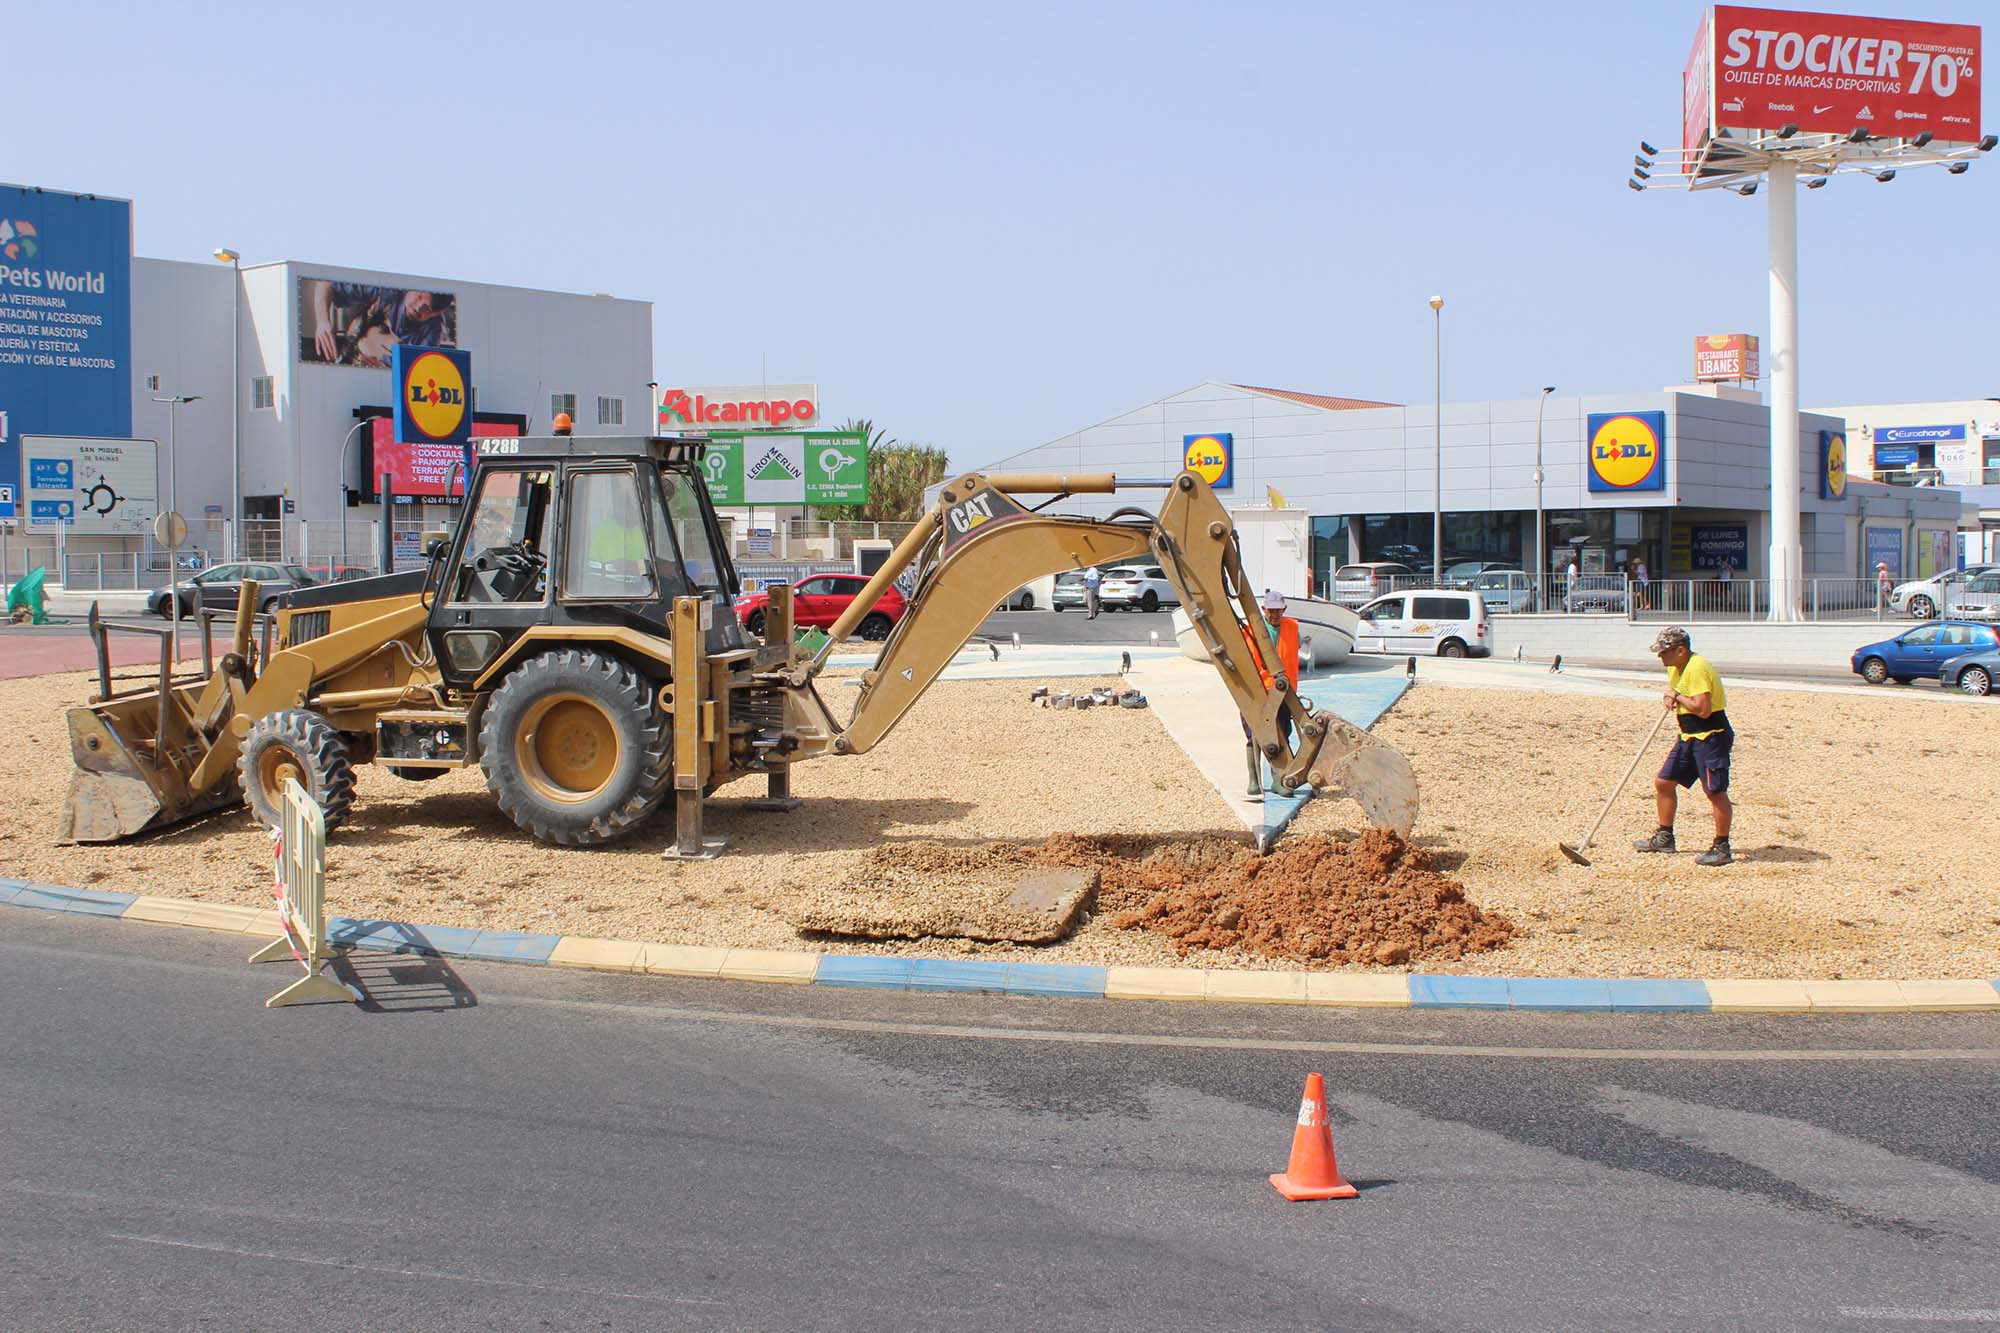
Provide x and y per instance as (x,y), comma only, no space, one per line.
(1858,833)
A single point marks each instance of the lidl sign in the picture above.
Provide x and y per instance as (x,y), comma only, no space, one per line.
(1211,457)
(1626,451)
(433,395)
(1832,465)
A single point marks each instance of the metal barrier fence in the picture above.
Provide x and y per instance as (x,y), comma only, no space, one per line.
(299,875)
(1673,599)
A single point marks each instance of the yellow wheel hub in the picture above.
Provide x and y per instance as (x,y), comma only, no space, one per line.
(567,748)
(274,767)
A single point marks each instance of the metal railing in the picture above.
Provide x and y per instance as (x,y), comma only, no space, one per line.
(1687,600)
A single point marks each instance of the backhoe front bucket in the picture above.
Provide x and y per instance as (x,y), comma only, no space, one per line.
(124,783)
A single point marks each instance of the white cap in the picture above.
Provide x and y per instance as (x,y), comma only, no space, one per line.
(1273,600)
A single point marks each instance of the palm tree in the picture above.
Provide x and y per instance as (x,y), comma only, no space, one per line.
(898,475)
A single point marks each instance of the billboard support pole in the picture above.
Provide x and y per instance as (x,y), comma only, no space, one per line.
(387,553)
(1785,556)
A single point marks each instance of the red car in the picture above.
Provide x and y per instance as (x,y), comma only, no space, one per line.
(819,600)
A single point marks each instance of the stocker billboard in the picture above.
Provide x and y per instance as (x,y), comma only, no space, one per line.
(1626,451)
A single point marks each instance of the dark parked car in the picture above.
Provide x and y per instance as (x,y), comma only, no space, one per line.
(1974,672)
(218,587)
(1922,651)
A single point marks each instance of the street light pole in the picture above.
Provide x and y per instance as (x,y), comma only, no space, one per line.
(1541,519)
(230,257)
(1437,443)
(174,507)
(341,515)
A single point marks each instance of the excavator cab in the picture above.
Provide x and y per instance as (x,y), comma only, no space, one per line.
(586,534)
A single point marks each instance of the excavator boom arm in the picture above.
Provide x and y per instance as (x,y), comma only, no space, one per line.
(978,544)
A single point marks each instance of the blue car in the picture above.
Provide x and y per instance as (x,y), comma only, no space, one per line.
(1974,673)
(1923,651)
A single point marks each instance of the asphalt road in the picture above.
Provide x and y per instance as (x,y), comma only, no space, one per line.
(489,1146)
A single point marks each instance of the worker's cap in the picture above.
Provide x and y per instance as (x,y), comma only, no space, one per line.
(1672,637)
(1273,600)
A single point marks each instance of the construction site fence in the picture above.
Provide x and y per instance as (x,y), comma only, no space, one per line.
(299,880)
(805,539)
(1683,600)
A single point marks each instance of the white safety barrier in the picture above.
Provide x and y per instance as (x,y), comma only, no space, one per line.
(299,882)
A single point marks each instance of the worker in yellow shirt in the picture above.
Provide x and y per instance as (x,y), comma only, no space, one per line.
(1695,694)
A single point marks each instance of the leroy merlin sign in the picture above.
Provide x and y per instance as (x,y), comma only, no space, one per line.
(817,467)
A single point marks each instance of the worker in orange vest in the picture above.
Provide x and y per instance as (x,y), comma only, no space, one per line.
(1286,631)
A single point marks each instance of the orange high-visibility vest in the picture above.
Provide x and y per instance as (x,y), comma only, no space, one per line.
(1288,651)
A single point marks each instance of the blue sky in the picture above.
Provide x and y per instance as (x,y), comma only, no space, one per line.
(985,226)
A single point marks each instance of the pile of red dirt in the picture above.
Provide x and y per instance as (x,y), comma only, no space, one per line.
(1375,900)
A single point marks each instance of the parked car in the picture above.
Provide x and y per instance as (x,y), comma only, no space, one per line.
(1136,588)
(1431,621)
(1355,584)
(1922,651)
(1461,573)
(1973,672)
(1068,593)
(220,586)
(1923,598)
(818,600)
(1594,592)
(1976,598)
(1505,589)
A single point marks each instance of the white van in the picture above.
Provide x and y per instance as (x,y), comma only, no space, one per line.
(1432,621)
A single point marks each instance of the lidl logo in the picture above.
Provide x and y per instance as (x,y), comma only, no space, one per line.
(1832,465)
(19,240)
(434,404)
(1211,457)
(1627,451)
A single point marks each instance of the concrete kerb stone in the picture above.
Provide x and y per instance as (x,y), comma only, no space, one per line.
(1345,989)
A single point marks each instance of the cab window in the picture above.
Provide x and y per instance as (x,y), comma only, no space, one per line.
(503,559)
(605,538)
(1390,608)
(683,501)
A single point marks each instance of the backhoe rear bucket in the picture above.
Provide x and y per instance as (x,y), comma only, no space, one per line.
(124,784)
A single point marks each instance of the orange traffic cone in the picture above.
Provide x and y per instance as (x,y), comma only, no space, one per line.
(1313,1172)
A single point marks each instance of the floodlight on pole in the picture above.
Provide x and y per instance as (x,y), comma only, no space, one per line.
(174,402)
(1437,443)
(225,255)
(1541,518)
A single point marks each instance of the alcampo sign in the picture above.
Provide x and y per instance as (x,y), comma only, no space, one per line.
(747,406)
(1626,451)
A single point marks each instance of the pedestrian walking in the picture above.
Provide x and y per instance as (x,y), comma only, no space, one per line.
(1640,577)
(1882,586)
(1091,578)
(1695,694)
(1569,584)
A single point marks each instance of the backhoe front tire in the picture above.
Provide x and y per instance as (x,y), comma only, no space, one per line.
(295,743)
(574,749)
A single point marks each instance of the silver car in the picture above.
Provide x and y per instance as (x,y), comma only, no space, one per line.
(1357,585)
(1921,598)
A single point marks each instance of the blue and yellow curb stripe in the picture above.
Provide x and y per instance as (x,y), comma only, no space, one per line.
(1720,995)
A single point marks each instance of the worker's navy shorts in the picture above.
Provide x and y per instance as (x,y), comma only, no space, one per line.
(1706,760)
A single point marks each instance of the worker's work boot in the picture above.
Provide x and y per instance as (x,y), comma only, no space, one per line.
(1718,855)
(1661,841)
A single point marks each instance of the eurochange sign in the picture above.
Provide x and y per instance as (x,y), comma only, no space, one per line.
(816,467)
(1626,451)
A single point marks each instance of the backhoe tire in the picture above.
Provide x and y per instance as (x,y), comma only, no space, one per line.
(574,748)
(295,743)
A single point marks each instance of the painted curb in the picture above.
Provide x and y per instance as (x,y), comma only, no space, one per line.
(1720,995)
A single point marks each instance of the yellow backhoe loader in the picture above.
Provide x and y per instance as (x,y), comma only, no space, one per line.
(575,638)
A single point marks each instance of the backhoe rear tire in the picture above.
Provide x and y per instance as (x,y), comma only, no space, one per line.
(574,748)
(295,743)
